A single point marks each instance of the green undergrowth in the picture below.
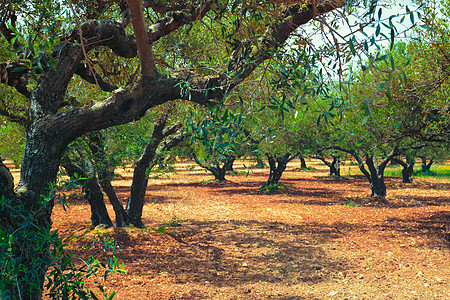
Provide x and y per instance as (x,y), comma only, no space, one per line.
(305,169)
(438,171)
(174,222)
(276,188)
(22,261)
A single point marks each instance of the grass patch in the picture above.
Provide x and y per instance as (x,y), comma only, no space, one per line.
(437,171)
(174,222)
(275,188)
(351,203)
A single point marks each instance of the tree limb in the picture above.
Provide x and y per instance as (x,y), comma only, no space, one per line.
(278,32)
(88,75)
(144,47)
(387,159)
(357,158)
(13,78)
(105,33)
(177,19)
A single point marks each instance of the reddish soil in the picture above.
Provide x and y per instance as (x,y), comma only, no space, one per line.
(305,243)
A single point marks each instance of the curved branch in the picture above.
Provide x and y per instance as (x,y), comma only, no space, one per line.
(356,157)
(177,19)
(387,159)
(106,33)
(13,78)
(277,34)
(88,75)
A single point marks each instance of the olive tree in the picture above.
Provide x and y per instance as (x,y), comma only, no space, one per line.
(227,41)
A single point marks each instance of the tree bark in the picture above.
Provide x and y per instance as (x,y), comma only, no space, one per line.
(104,171)
(6,181)
(148,159)
(375,174)
(277,166)
(92,193)
(426,166)
(335,169)
(408,167)
(302,162)
(51,129)
(376,179)
(218,171)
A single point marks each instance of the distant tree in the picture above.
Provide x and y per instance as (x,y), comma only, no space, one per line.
(215,139)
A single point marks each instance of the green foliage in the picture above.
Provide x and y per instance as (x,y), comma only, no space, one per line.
(351,203)
(436,171)
(215,137)
(66,273)
(174,222)
(275,188)
(308,169)
(12,141)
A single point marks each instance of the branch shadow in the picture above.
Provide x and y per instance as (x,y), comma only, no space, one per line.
(432,225)
(235,253)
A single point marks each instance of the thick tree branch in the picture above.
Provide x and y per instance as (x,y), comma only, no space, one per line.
(88,75)
(106,33)
(145,51)
(13,78)
(69,58)
(177,19)
(278,32)
(387,159)
(357,158)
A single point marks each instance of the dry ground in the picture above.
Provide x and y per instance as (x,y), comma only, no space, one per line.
(302,244)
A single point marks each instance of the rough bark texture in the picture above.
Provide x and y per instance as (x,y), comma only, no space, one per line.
(51,130)
(277,166)
(92,193)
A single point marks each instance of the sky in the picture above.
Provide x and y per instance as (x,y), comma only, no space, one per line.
(380,29)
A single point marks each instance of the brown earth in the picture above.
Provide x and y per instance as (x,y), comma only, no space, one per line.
(304,243)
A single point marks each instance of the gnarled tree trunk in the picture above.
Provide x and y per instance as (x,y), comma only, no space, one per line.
(216,169)
(335,169)
(375,172)
(277,166)
(426,166)
(408,167)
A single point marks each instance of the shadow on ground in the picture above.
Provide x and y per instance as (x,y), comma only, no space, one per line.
(231,253)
